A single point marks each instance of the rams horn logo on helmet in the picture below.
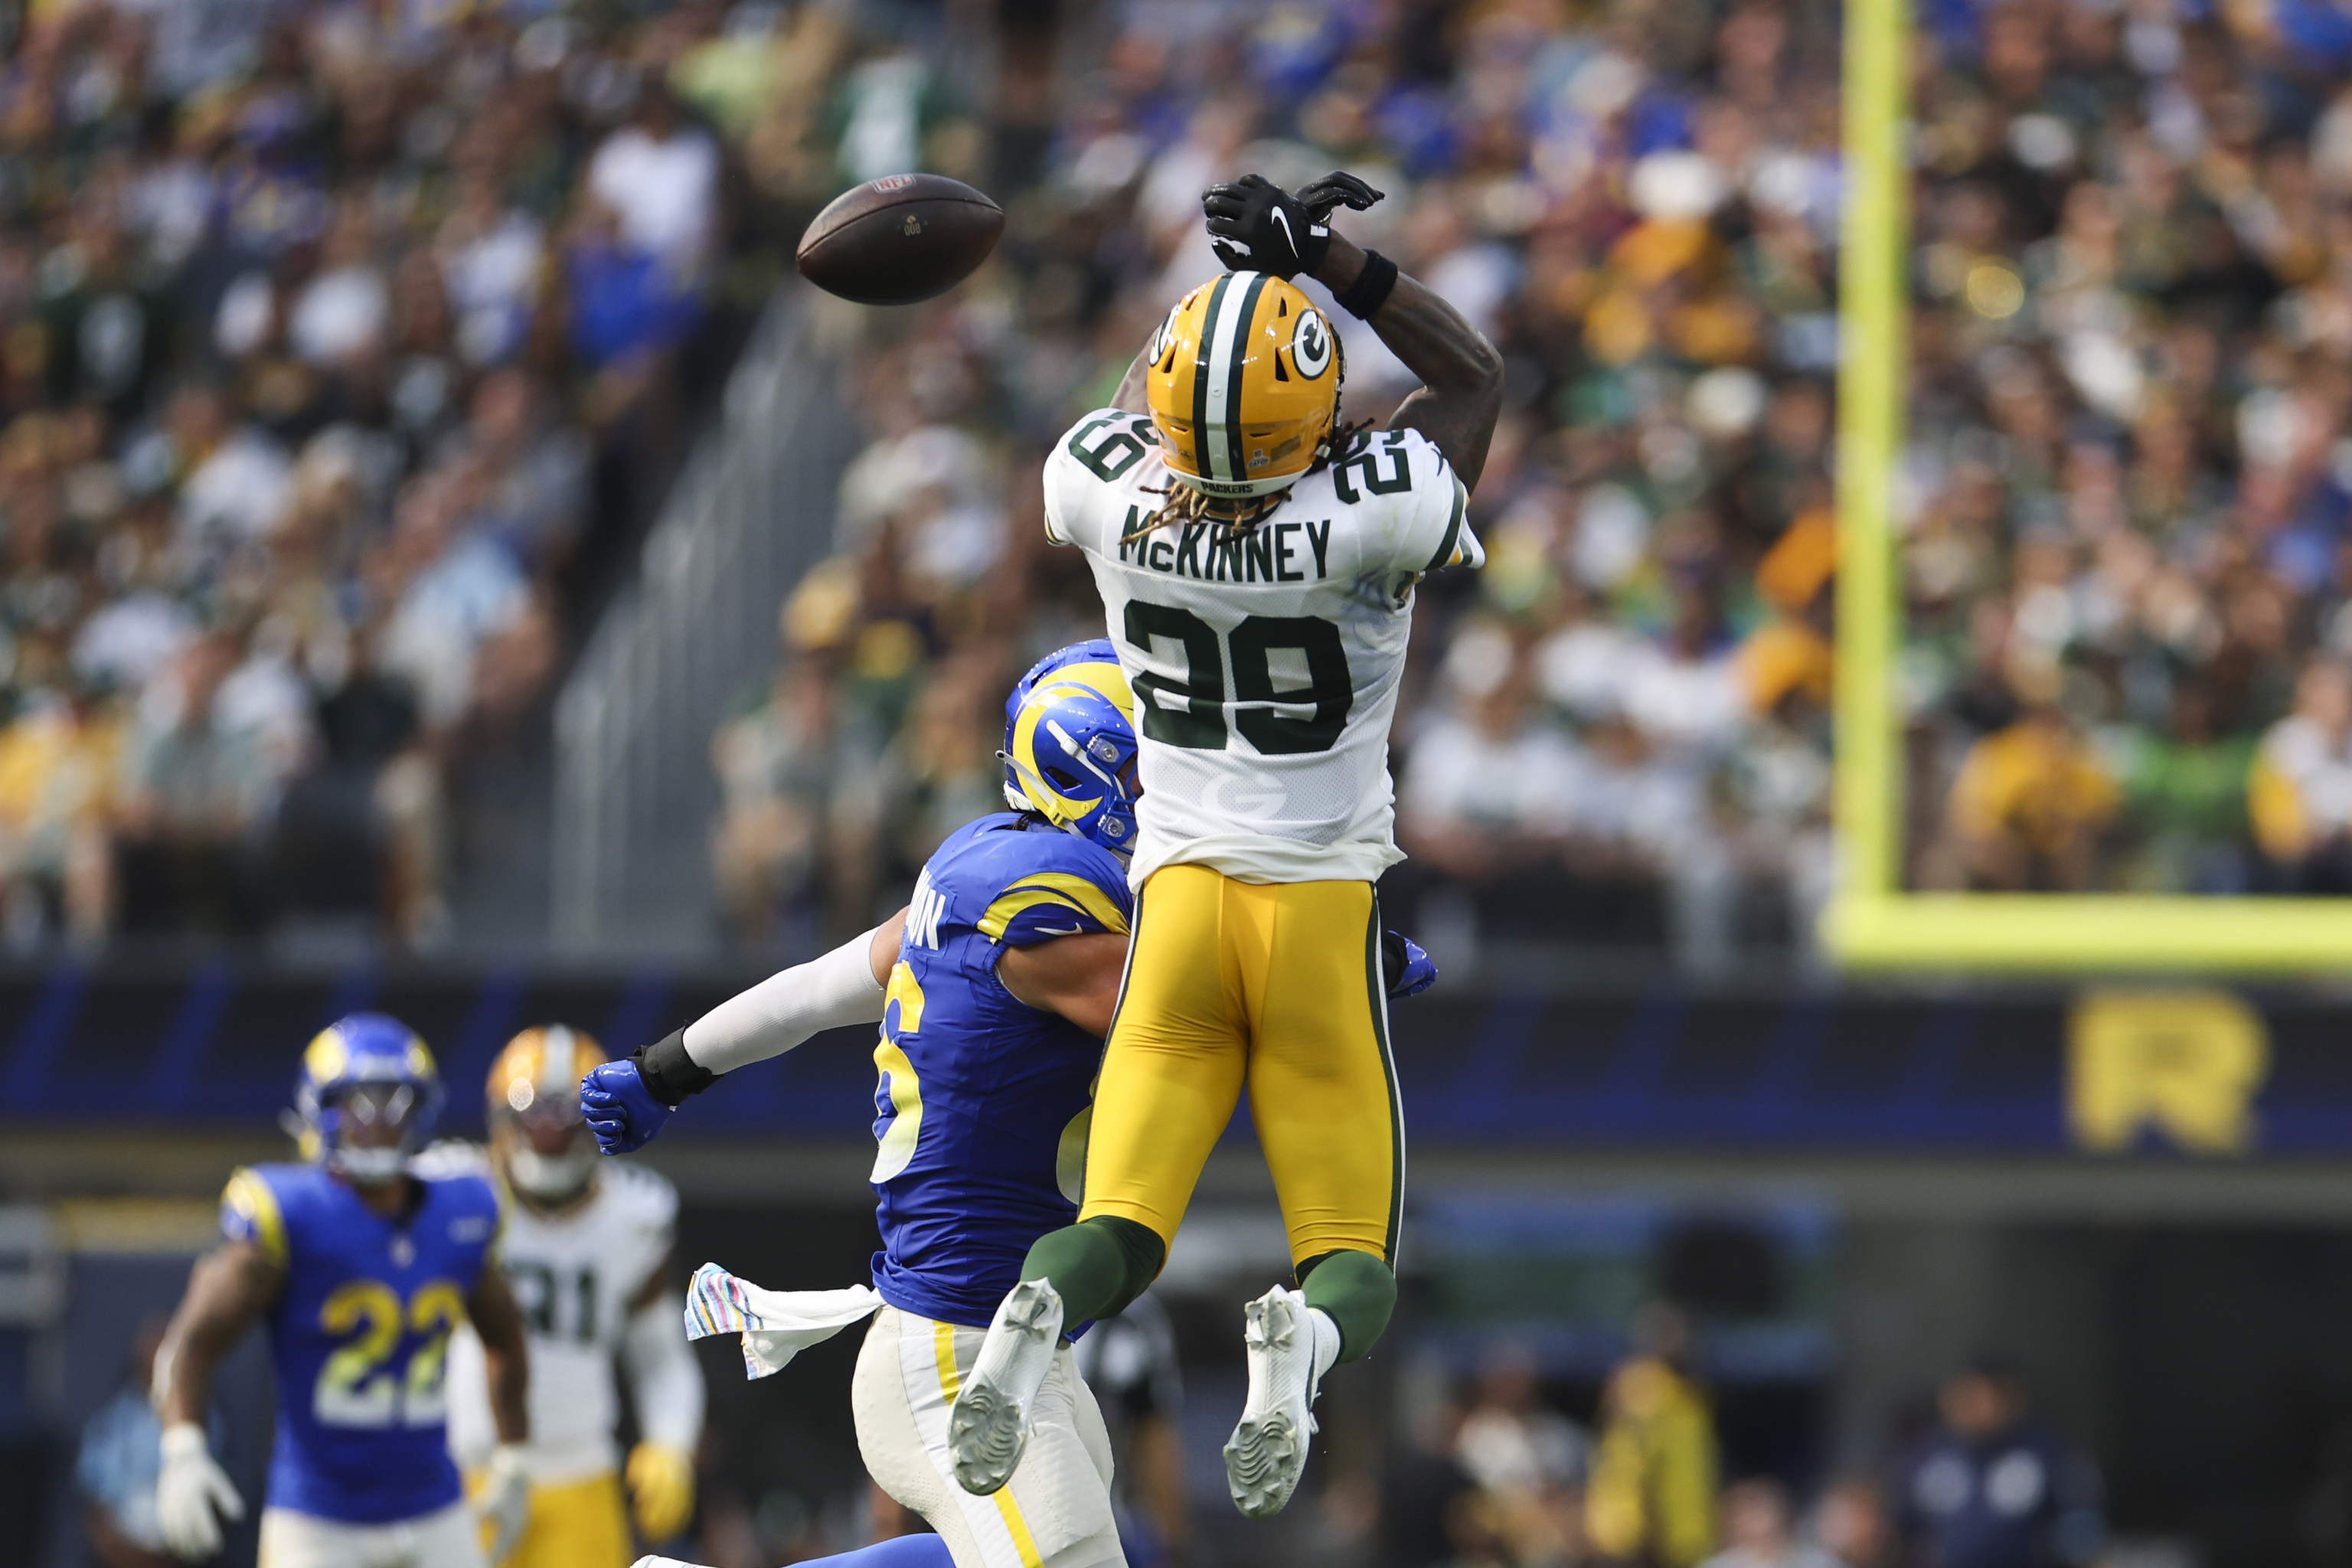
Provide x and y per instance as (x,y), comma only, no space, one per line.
(1310,345)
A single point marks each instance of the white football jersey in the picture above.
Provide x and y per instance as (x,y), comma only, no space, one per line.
(574,1276)
(1265,664)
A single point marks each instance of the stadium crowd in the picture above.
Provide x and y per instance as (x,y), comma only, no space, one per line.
(1496,1477)
(337,338)
(2123,502)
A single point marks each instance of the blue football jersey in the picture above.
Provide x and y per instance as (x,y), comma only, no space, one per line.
(983,1101)
(360,1335)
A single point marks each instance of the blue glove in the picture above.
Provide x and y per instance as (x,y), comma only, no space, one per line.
(1407,969)
(620,1111)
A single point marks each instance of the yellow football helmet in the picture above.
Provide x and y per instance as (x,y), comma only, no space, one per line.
(538,1139)
(1245,385)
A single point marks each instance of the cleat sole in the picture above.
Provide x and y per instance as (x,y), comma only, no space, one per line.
(986,1436)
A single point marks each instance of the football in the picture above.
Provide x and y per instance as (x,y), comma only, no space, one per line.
(900,238)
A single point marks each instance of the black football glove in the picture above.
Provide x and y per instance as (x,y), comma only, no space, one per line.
(1256,225)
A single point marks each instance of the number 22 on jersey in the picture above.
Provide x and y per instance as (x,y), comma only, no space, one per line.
(365,1381)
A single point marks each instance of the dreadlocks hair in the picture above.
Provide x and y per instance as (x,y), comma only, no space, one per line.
(1185,504)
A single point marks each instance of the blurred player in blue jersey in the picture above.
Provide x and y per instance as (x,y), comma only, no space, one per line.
(361,1268)
(994,987)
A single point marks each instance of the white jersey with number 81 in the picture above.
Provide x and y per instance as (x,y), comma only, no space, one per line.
(1265,663)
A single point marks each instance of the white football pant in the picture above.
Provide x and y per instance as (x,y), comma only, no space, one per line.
(1055,1511)
(447,1538)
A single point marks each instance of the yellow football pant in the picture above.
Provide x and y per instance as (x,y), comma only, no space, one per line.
(1275,986)
(579,1524)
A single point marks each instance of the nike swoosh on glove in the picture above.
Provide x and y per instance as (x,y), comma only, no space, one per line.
(1407,969)
(622,1111)
(1256,225)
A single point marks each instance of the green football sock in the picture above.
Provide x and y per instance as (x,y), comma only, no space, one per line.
(1355,1290)
(1097,1265)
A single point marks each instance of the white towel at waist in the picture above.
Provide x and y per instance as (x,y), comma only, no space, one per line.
(776,1325)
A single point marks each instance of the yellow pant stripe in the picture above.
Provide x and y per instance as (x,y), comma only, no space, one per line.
(951,1383)
(943,1347)
(1018,1527)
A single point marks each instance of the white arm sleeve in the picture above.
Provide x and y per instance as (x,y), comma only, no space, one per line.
(664,1375)
(784,1009)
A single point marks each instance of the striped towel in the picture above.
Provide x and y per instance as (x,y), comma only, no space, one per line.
(776,1325)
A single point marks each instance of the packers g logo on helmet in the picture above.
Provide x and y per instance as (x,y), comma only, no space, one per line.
(1310,344)
(1242,385)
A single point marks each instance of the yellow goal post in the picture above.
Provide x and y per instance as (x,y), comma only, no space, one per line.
(1872,922)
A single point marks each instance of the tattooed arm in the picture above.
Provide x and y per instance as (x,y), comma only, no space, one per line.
(1461,392)
(1130,388)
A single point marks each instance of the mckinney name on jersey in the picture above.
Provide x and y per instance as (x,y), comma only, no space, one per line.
(1264,662)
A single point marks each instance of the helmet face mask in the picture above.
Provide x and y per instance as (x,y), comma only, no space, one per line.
(1069,746)
(1243,386)
(538,1140)
(367,1097)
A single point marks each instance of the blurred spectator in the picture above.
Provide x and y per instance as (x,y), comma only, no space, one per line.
(1758,1531)
(1508,1438)
(121,1458)
(1993,1488)
(942,770)
(1130,1364)
(1424,1493)
(1850,1523)
(57,773)
(1527,1460)
(660,175)
(797,814)
(331,329)
(211,744)
(1652,1496)
(2127,440)
(2030,805)
(2301,789)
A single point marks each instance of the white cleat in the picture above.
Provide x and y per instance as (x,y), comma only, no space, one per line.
(1267,1452)
(987,1426)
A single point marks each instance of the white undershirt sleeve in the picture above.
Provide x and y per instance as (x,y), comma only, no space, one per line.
(784,1009)
(664,1375)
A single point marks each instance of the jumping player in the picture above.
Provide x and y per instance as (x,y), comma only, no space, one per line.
(361,1269)
(586,1251)
(994,988)
(1256,562)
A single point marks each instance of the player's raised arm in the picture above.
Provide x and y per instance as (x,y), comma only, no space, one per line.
(1131,394)
(228,1289)
(1255,223)
(628,1102)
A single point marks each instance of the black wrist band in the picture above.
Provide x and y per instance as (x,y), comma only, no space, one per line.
(668,1072)
(1371,289)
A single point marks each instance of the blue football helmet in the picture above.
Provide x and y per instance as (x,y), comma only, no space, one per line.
(1069,744)
(365,1070)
